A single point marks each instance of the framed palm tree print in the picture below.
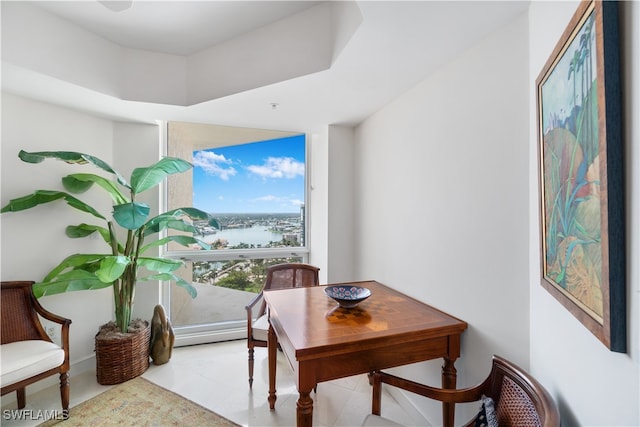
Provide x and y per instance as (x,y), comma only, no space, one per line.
(581,177)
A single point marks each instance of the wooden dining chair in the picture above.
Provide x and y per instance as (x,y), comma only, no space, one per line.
(28,354)
(280,276)
(517,399)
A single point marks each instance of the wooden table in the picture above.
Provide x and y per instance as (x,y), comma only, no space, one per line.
(324,342)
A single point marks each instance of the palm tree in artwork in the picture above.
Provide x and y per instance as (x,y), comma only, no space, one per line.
(573,66)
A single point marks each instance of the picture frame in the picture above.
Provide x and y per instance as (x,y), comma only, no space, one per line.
(580,162)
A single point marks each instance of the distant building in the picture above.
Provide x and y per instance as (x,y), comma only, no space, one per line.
(303,225)
(291,237)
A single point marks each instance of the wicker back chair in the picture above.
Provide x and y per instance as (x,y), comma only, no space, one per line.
(518,399)
(28,354)
(280,276)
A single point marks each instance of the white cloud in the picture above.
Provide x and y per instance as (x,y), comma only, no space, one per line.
(268,198)
(214,164)
(279,167)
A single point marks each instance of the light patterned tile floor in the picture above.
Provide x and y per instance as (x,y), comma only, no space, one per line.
(215,376)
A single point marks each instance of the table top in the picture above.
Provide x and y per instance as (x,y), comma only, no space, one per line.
(314,324)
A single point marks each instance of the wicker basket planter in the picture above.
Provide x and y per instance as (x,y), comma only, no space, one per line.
(121,357)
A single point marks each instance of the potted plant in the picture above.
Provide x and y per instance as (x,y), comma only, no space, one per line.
(129,233)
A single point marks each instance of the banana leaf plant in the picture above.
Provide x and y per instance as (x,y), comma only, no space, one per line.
(119,267)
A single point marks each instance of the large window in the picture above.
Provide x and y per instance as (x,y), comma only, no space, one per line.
(254,183)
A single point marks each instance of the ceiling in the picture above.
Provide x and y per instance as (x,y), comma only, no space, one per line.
(392,47)
(174,27)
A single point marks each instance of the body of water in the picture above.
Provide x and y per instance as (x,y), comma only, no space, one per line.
(256,235)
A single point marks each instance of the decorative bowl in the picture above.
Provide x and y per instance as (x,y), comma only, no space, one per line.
(347,296)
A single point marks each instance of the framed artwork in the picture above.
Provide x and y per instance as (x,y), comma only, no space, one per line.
(581,173)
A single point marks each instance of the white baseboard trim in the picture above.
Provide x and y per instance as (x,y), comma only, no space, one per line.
(206,337)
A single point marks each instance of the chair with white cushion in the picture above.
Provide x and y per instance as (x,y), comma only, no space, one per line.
(28,354)
(280,276)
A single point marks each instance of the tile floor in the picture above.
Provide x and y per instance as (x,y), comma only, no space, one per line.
(215,376)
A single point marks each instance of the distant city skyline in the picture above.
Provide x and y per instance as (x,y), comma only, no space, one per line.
(259,177)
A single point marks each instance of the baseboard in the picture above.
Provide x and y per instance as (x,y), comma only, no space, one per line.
(206,337)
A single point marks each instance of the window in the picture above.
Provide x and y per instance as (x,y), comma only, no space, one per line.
(254,183)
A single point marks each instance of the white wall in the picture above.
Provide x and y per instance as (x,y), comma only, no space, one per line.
(442,201)
(33,241)
(319,201)
(340,237)
(331,199)
(447,212)
(593,386)
(138,145)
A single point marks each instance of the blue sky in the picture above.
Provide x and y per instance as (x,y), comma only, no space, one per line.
(260,177)
(557,90)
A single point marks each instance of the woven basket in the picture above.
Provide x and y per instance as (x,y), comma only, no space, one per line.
(121,359)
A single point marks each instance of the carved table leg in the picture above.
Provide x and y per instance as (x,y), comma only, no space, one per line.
(449,376)
(272,344)
(304,410)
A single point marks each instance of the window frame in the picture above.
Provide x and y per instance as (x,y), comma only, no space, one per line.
(202,333)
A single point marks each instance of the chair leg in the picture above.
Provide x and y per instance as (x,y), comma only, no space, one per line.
(64,394)
(377,394)
(250,367)
(21,397)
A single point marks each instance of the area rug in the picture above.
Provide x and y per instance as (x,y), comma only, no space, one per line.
(139,402)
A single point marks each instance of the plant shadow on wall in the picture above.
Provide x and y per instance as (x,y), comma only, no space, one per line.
(121,266)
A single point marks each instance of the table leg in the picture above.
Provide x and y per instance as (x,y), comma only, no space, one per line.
(272,344)
(449,376)
(304,410)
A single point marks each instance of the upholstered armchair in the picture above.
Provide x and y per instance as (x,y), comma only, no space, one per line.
(28,354)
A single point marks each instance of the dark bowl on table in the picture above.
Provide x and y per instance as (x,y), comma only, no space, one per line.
(347,296)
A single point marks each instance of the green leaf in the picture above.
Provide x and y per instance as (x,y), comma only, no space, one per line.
(161,265)
(145,178)
(172,219)
(193,213)
(214,223)
(179,281)
(175,224)
(131,216)
(186,286)
(180,239)
(75,280)
(112,267)
(84,230)
(80,182)
(79,231)
(73,262)
(71,157)
(75,186)
(40,197)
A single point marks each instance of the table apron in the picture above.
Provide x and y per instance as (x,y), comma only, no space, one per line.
(311,371)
